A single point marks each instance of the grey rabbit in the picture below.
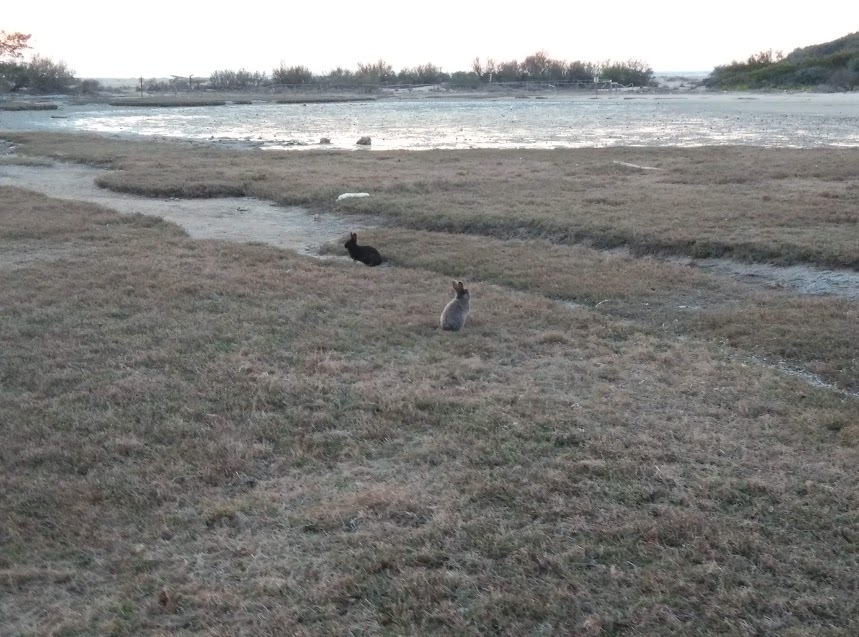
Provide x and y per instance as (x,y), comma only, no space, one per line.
(455,313)
(365,254)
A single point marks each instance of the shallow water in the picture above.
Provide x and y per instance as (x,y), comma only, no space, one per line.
(241,219)
(248,219)
(569,121)
(803,279)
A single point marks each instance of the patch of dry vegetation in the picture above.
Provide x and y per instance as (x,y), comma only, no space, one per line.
(24,160)
(321,98)
(27,106)
(778,205)
(815,333)
(201,437)
(167,101)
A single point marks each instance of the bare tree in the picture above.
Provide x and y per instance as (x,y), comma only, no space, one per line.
(379,72)
(477,67)
(535,65)
(291,74)
(12,44)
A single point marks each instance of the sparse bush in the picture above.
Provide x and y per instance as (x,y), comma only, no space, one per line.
(13,76)
(579,71)
(379,72)
(629,73)
(90,86)
(539,66)
(291,75)
(222,79)
(159,86)
(510,71)
(536,66)
(42,75)
(422,74)
(341,77)
(461,79)
(236,80)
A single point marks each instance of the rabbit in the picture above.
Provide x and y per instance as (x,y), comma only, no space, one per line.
(455,313)
(365,254)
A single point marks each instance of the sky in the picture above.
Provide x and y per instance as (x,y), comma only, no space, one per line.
(159,38)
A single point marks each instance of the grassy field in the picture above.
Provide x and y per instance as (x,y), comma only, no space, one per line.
(199,437)
(779,205)
(818,334)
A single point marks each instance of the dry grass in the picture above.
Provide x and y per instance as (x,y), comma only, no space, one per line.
(24,160)
(816,333)
(27,106)
(203,438)
(779,205)
(220,99)
(321,98)
(167,101)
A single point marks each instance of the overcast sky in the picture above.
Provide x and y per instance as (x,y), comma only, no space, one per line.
(101,38)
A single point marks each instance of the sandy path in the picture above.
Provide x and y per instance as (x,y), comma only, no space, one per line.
(232,218)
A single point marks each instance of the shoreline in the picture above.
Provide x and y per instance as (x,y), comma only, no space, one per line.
(393,93)
(464,121)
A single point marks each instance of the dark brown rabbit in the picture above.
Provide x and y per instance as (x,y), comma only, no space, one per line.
(365,254)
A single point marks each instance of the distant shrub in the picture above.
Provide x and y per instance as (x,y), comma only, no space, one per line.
(422,74)
(461,79)
(39,75)
(579,71)
(291,75)
(90,86)
(541,67)
(46,76)
(629,73)
(237,80)
(13,76)
(160,86)
(379,72)
(341,76)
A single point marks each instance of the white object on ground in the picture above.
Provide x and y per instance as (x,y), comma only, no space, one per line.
(349,195)
(628,165)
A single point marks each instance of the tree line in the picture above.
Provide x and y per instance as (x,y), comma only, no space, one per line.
(40,74)
(43,75)
(538,67)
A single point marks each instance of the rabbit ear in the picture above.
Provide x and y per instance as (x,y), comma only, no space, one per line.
(461,286)
(454,286)
(354,236)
